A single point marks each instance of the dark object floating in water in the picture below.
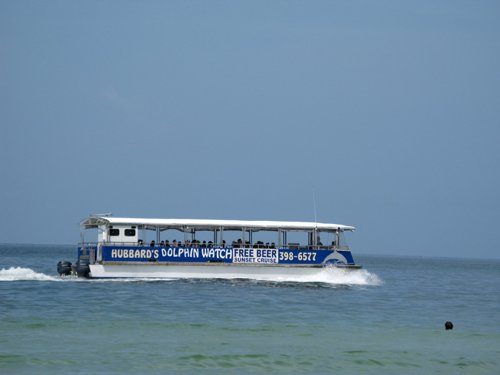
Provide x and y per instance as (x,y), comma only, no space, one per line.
(64,268)
(448,325)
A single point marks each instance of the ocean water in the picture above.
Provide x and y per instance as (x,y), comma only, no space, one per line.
(387,318)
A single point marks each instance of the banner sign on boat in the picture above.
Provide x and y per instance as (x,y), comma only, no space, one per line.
(224,255)
(249,255)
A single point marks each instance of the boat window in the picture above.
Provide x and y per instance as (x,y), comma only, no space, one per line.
(130,232)
(114,232)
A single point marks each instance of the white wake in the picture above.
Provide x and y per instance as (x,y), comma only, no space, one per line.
(331,275)
(21,274)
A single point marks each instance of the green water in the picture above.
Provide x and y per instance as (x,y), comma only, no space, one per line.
(390,320)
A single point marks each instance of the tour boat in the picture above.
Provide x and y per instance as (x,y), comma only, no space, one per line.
(196,248)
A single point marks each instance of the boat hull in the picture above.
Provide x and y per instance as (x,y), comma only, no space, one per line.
(207,271)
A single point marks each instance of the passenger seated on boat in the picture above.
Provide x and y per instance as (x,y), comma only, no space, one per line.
(273,246)
(204,244)
(152,243)
(162,243)
(234,244)
(210,244)
(174,243)
(179,244)
(223,243)
(167,244)
(333,243)
(140,242)
(187,243)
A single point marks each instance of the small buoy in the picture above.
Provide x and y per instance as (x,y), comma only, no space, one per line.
(448,325)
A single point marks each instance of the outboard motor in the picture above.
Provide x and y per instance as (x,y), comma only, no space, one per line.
(82,268)
(64,268)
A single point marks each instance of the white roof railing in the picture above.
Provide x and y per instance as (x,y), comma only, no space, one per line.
(200,224)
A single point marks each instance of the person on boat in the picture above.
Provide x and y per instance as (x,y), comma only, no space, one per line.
(167,244)
(140,242)
(174,243)
(152,244)
(162,243)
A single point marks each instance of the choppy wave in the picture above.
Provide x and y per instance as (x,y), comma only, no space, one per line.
(340,276)
(21,273)
(331,276)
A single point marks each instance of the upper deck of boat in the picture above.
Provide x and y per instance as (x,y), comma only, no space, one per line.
(203,224)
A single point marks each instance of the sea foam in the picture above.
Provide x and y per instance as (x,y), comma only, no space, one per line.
(21,273)
(334,276)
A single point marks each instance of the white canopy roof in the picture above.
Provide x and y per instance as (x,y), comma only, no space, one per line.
(200,224)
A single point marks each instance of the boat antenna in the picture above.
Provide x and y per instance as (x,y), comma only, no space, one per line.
(314,205)
(315,235)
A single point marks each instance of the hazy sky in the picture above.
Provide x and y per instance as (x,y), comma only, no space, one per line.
(387,111)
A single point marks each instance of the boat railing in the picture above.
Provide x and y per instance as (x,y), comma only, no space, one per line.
(290,246)
(115,243)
